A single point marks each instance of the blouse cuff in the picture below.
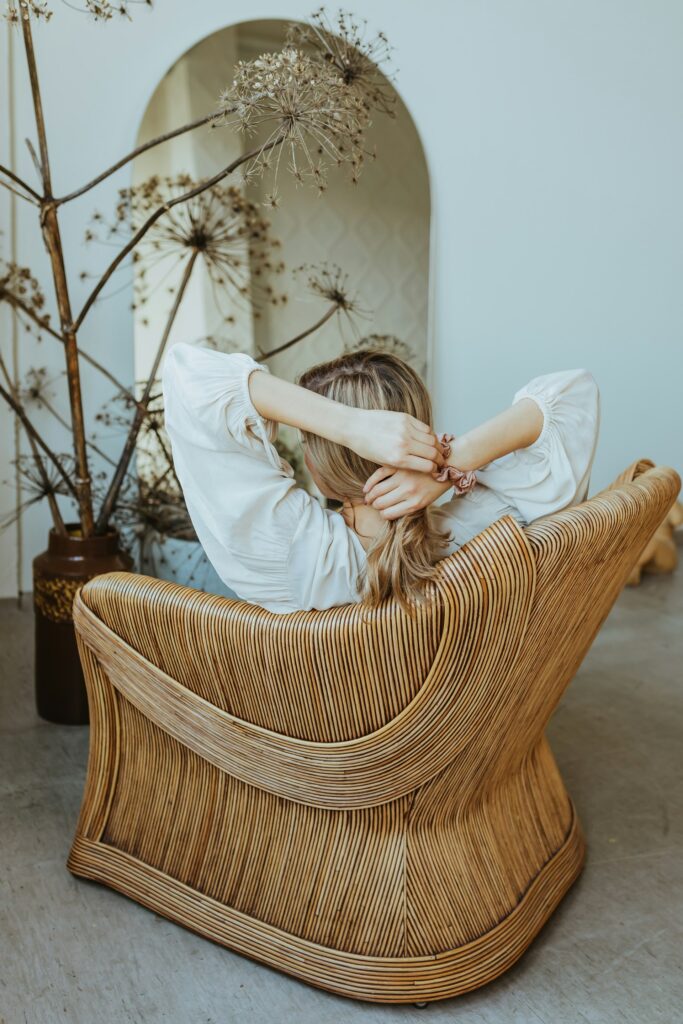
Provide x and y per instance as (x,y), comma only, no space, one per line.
(244,420)
(541,442)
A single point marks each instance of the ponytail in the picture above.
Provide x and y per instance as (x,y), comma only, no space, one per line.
(401,560)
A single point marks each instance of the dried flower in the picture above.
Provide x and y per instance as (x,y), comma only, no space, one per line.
(40,477)
(328,281)
(298,106)
(100,10)
(22,291)
(153,496)
(388,343)
(226,230)
(35,7)
(37,389)
(358,58)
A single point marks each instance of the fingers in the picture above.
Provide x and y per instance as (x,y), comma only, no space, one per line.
(402,508)
(421,427)
(388,486)
(420,464)
(425,443)
(426,451)
(391,495)
(380,474)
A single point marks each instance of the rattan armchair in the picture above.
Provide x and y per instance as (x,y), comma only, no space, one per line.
(366,801)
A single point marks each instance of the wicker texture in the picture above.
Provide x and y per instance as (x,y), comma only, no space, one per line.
(364,800)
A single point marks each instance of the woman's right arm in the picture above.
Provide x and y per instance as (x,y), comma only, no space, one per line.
(268,539)
(378,435)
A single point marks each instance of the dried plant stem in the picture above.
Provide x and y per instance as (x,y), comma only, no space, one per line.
(154,217)
(18,181)
(67,426)
(57,520)
(129,447)
(304,334)
(15,301)
(34,157)
(32,432)
(49,493)
(51,236)
(167,455)
(136,152)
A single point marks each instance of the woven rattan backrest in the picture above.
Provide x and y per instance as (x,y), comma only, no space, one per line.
(506,609)
(326,676)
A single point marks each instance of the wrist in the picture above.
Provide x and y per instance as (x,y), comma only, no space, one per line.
(461,455)
(341,424)
(346,425)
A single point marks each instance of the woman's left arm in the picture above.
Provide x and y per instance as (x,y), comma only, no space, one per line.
(396,494)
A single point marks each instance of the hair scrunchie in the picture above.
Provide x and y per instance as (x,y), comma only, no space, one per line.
(461,481)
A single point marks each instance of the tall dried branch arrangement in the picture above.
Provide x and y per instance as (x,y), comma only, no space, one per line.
(304,108)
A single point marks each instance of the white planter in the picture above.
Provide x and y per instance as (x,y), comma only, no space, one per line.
(180,561)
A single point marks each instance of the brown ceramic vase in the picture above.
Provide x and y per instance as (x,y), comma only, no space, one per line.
(57,574)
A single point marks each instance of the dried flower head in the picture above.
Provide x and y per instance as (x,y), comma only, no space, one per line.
(328,281)
(152,495)
(299,106)
(22,291)
(39,476)
(388,343)
(344,42)
(39,479)
(14,9)
(220,225)
(37,389)
(100,10)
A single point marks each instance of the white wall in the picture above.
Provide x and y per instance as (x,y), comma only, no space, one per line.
(554,139)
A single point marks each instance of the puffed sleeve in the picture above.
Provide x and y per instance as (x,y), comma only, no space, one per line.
(554,471)
(268,539)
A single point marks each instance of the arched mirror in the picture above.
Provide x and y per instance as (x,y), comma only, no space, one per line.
(371,238)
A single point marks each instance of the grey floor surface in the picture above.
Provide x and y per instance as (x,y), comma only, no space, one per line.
(76,952)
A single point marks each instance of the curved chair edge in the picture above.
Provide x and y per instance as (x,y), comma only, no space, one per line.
(420,741)
(374,979)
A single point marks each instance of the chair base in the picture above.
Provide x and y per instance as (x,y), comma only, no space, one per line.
(375,979)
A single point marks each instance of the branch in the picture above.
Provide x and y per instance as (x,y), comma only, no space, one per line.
(166,453)
(141,411)
(32,432)
(67,426)
(49,223)
(304,334)
(34,157)
(59,524)
(131,156)
(18,303)
(154,217)
(32,194)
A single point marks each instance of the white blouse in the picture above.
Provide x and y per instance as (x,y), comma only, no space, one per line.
(275,545)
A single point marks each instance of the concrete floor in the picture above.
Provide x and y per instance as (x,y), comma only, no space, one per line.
(76,952)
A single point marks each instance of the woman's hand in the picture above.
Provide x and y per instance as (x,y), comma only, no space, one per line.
(398,492)
(393,438)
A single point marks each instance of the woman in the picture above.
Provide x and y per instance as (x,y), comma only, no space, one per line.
(275,545)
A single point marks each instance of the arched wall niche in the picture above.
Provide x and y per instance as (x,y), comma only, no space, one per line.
(377,231)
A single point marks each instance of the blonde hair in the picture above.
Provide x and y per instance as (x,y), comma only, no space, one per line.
(400,560)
